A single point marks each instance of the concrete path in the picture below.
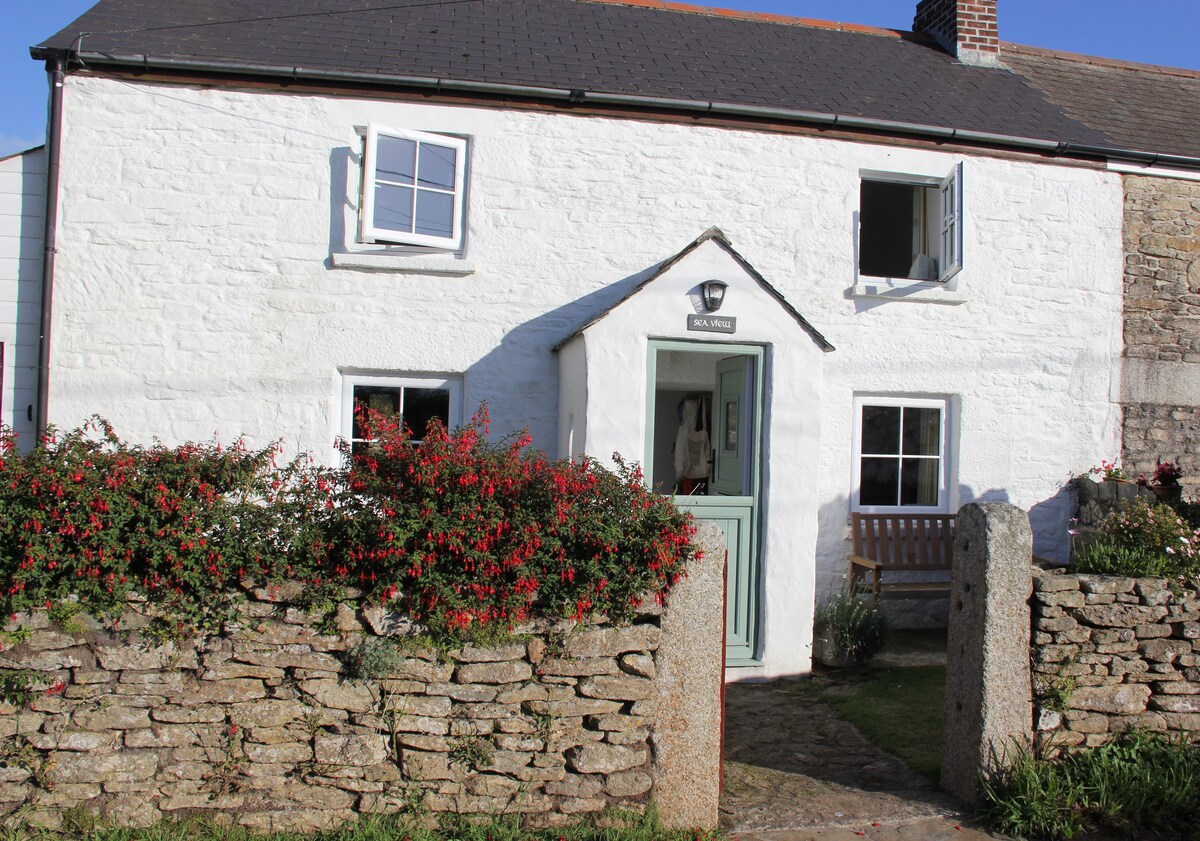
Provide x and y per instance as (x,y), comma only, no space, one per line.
(795,771)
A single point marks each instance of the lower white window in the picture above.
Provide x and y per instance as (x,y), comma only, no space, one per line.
(900,462)
(416,400)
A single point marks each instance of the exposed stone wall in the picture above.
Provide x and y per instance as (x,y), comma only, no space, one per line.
(264,726)
(1112,653)
(1156,432)
(1096,500)
(1161,380)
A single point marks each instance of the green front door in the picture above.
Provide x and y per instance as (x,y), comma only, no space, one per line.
(733,445)
(728,378)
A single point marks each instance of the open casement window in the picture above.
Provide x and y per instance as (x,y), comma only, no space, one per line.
(910,227)
(900,455)
(416,400)
(412,188)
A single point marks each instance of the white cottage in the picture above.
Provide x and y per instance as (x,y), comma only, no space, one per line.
(272,210)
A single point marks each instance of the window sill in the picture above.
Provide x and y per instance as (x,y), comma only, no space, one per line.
(903,289)
(404,263)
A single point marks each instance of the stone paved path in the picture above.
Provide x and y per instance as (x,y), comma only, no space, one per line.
(795,771)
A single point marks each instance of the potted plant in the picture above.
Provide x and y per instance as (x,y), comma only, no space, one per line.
(1165,481)
(848,631)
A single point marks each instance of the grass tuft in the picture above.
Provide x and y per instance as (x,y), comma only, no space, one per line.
(1143,786)
(609,826)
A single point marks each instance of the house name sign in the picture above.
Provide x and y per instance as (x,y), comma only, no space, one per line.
(712,323)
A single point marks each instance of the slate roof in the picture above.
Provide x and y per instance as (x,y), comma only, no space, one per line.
(608,47)
(1138,106)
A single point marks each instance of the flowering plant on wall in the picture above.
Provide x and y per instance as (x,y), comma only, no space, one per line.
(460,532)
(1167,473)
(1108,470)
(464,533)
(87,518)
(1141,539)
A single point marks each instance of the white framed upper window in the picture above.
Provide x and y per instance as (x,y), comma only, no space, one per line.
(911,227)
(900,455)
(416,400)
(413,188)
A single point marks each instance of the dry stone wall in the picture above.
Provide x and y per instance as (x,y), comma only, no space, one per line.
(1112,653)
(264,724)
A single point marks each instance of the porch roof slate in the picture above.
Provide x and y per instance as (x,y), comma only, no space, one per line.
(644,50)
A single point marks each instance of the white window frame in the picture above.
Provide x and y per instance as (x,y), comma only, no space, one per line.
(369,232)
(452,384)
(922,402)
(949,190)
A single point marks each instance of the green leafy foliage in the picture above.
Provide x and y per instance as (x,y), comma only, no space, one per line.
(1138,785)
(1140,539)
(462,533)
(855,629)
(465,535)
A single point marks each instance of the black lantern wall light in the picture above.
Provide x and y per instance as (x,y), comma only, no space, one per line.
(713,292)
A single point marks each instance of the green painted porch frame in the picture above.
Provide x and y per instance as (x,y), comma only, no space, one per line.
(739,517)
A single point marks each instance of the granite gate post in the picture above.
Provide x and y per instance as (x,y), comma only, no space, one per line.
(988,689)
(687,738)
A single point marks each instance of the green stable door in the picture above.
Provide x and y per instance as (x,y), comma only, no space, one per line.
(725,381)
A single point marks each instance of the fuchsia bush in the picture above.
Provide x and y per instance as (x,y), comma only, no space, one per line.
(461,533)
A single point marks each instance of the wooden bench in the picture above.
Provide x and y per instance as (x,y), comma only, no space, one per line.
(884,544)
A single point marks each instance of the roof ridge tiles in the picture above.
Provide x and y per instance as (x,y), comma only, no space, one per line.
(760,17)
(1009,48)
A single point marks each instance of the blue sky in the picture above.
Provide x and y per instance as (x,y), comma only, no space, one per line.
(1154,31)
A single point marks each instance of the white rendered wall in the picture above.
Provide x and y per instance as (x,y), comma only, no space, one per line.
(195,290)
(22,211)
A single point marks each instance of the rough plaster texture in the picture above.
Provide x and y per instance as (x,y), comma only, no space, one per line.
(197,294)
(22,211)
(687,733)
(988,706)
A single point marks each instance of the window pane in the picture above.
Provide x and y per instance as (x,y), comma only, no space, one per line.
(435,214)
(886,225)
(394,159)
(880,481)
(436,167)
(421,405)
(393,208)
(386,401)
(919,481)
(922,432)
(881,430)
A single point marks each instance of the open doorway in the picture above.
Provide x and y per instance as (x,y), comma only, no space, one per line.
(704,447)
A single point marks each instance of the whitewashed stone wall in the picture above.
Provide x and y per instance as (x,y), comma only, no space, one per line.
(22,211)
(197,292)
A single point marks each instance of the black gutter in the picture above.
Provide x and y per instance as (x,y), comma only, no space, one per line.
(144,62)
(54,69)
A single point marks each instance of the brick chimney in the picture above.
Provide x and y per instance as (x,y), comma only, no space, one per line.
(965,28)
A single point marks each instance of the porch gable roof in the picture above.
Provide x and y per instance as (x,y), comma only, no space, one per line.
(717,236)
